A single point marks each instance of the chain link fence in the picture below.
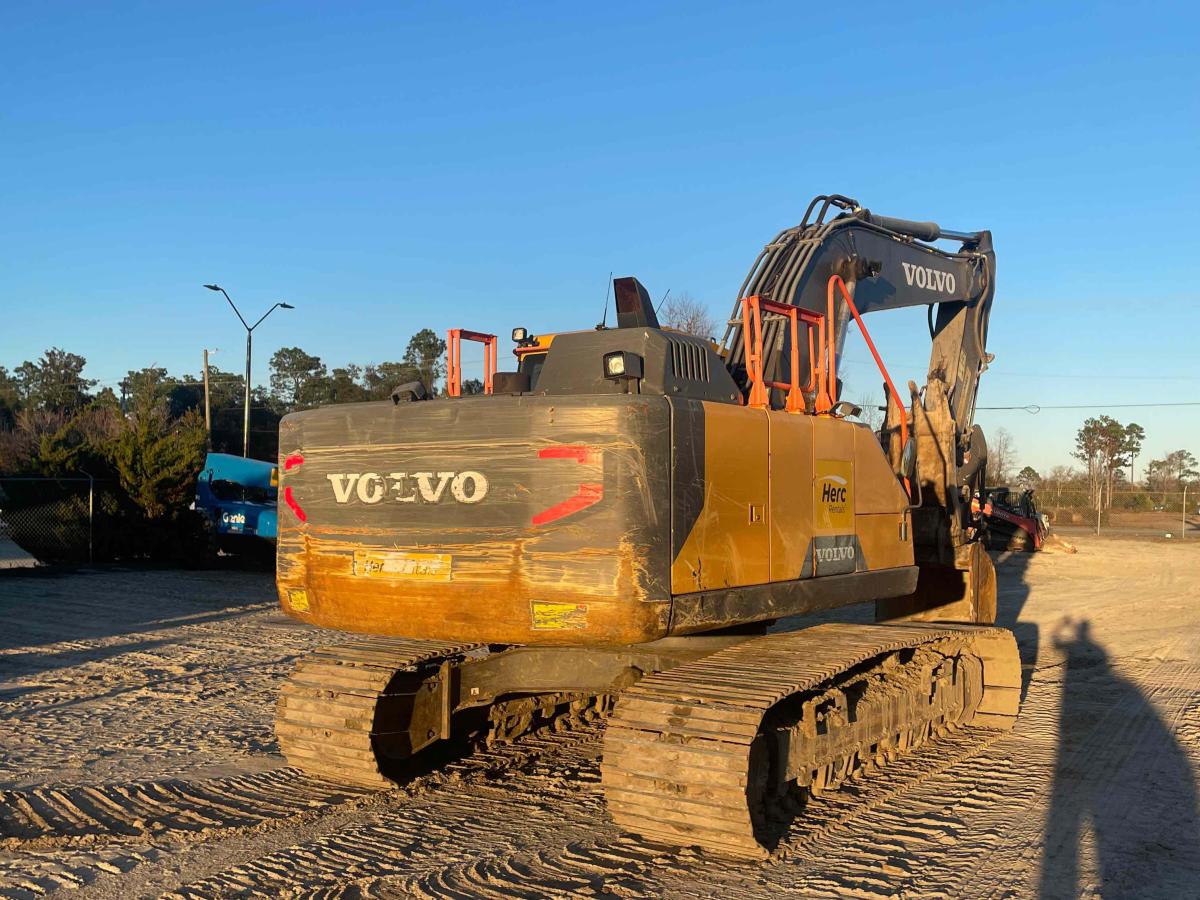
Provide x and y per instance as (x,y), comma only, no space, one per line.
(80,520)
(1131,511)
(56,520)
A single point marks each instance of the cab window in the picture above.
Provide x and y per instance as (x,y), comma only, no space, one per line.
(531,365)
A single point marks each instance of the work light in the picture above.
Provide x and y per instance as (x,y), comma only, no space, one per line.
(622,364)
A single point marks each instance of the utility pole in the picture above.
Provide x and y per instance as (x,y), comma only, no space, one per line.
(246,408)
(1183,515)
(207,407)
(249,339)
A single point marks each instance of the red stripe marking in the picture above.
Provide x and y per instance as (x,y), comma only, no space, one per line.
(587,495)
(290,463)
(293,505)
(579,454)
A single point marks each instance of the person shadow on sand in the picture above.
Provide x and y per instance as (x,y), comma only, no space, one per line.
(1119,769)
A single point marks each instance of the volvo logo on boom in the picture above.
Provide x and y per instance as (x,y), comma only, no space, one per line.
(409,487)
(929,279)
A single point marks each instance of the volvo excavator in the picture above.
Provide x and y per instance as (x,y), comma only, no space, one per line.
(628,526)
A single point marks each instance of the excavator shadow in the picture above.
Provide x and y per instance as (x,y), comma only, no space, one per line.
(1012,593)
(466,744)
(404,772)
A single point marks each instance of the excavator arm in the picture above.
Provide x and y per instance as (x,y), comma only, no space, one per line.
(886,263)
(889,263)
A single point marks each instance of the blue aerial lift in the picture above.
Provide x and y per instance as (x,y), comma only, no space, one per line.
(238,496)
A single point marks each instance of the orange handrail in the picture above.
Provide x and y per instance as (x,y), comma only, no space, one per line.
(752,309)
(835,281)
(454,339)
(823,374)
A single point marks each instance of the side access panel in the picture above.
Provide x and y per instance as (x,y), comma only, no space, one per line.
(836,549)
(791,513)
(732,568)
(720,537)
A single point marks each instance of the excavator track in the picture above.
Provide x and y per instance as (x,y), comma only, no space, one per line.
(720,753)
(344,709)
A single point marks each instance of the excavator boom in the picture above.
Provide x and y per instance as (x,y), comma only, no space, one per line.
(886,263)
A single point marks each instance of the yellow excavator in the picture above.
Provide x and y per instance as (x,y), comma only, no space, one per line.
(627,525)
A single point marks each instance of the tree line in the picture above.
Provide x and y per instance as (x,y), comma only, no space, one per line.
(144,439)
(1109,451)
(147,434)
(38,395)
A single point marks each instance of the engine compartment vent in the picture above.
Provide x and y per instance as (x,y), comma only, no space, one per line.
(689,360)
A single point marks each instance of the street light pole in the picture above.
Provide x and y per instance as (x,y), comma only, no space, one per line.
(249,343)
(207,406)
(246,409)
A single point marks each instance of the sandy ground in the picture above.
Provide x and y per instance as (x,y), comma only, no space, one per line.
(136,759)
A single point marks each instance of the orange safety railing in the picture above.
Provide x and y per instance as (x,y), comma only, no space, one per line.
(822,373)
(752,327)
(836,284)
(454,339)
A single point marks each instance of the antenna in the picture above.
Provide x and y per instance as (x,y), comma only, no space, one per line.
(662,301)
(607,289)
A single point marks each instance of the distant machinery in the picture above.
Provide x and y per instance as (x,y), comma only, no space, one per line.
(238,496)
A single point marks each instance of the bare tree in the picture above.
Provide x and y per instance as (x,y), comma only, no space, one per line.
(1001,455)
(687,314)
(871,414)
(1059,476)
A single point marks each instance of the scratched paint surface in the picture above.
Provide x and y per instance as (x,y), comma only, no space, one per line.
(447,519)
(453,519)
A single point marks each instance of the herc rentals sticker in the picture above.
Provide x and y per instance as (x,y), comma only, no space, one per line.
(411,566)
(833,495)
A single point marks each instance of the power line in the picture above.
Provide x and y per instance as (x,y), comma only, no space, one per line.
(994,372)
(1035,408)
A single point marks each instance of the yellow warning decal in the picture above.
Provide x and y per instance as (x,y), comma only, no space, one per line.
(411,566)
(549,616)
(297,599)
(833,494)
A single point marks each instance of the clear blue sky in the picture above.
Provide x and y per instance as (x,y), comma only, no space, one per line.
(387,167)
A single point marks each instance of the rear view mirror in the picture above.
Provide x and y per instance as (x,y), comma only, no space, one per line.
(908,459)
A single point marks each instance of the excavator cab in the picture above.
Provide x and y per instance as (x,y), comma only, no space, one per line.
(530,351)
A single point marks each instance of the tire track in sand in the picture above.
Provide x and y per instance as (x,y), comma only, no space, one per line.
(450,845)
(142,831)
(46,817)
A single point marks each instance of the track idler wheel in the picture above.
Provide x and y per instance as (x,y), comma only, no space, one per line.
(349,713)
